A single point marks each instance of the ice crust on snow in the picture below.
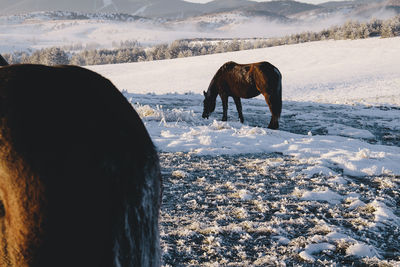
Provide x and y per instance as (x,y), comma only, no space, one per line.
(362,250)
(324,195)
(186,131)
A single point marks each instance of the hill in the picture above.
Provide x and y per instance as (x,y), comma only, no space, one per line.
(179,9)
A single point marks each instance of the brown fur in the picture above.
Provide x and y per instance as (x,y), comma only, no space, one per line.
(79,176)
(245,81)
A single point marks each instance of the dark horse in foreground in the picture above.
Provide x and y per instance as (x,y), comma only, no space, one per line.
(245,81)
(80,180)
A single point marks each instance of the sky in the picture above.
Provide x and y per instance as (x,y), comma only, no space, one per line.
(304,1)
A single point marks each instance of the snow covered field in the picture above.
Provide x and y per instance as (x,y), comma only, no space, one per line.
(324,189)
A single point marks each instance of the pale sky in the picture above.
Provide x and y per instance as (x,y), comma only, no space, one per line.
(304,1)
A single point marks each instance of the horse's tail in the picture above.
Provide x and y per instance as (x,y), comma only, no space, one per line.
(276,97)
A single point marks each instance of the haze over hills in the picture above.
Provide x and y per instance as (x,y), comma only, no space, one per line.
(178,9)
(96,24)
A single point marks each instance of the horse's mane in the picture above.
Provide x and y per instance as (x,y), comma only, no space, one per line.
(228,66)
(3,62)
(212,89)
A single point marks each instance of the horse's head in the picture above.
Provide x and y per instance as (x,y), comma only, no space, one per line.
(209,105)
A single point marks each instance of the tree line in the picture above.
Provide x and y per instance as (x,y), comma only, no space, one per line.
(132,51)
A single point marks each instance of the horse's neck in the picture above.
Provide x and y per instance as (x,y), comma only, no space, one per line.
(212,91)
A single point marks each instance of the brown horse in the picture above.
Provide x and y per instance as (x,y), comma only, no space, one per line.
(245,81)
(80,181)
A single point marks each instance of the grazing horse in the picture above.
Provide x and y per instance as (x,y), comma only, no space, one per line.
(80,181)
(245,81)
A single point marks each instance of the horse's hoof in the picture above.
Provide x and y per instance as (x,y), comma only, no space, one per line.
(273,126)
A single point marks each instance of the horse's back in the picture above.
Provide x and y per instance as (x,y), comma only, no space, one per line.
(73,155)
(265,66)
(266,74)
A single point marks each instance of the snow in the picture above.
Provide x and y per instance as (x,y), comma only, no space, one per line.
(314,249)
(383,214)
(325,195)
(353,156)
(362,250)
(179,174)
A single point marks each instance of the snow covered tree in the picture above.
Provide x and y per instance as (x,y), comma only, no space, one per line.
(54,56)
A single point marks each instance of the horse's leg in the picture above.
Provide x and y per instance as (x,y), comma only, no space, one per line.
(224,99)
(274,122)
(239,108)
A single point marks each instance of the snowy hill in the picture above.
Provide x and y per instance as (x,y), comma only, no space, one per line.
(23,6)
(77,31)
(180,9)
(315,67)
(155,21)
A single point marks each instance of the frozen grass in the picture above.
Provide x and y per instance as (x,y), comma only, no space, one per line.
(271,208)
(229,210)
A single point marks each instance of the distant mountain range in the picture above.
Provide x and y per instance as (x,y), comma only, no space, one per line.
(178,9)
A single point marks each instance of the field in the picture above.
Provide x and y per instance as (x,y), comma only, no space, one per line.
(324,189)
